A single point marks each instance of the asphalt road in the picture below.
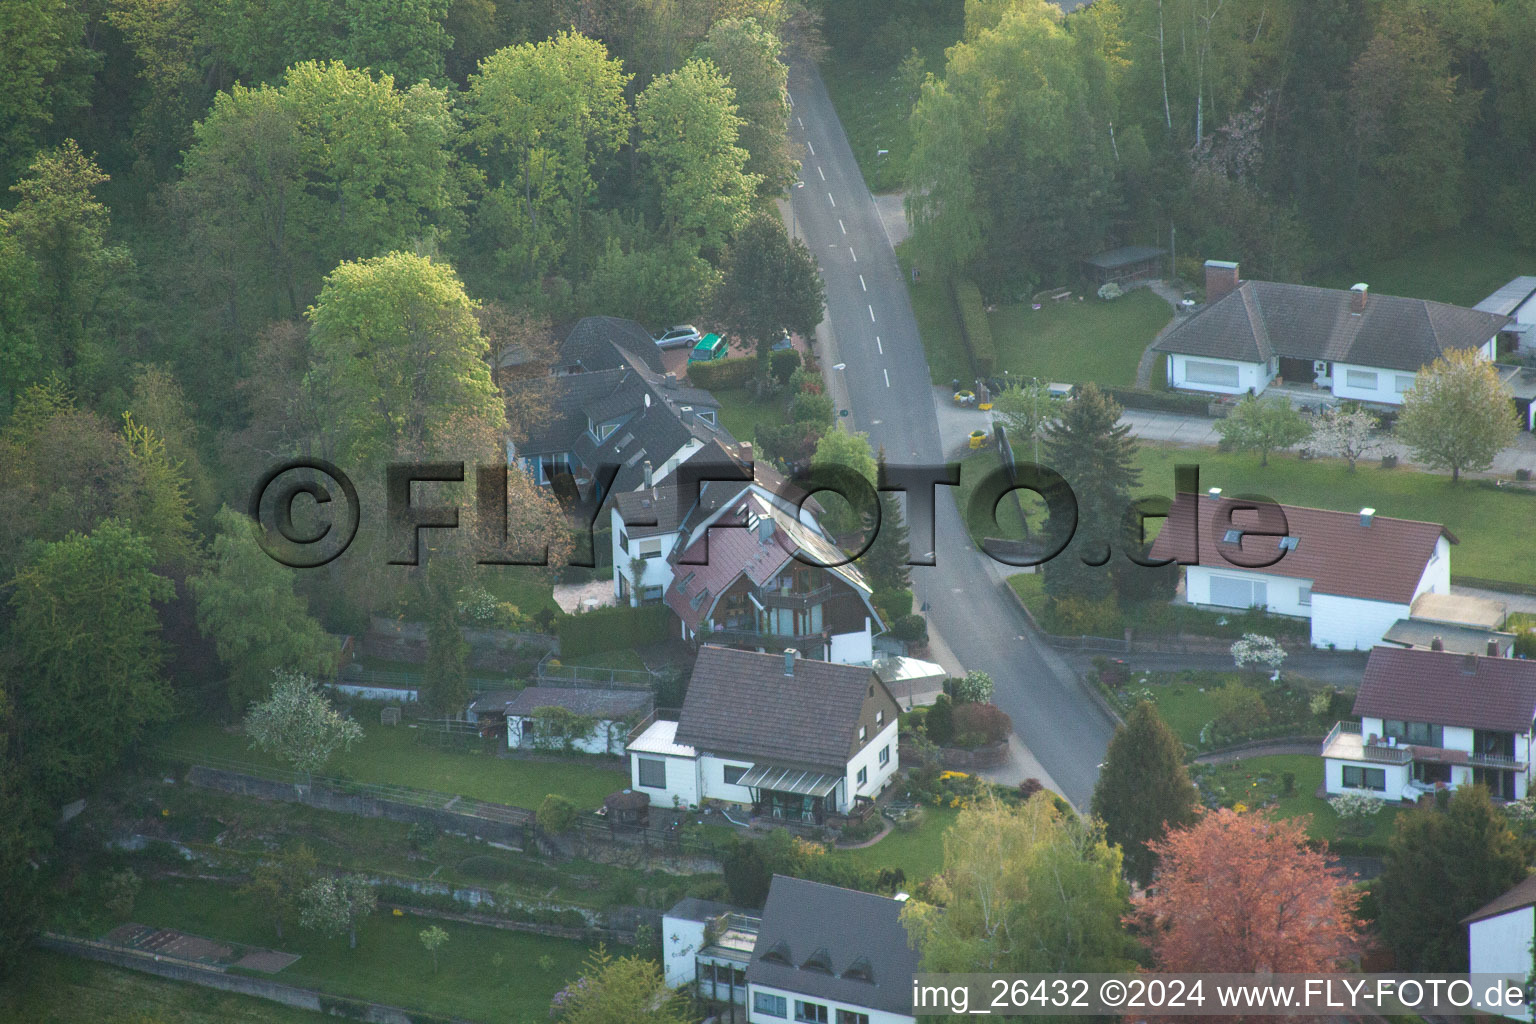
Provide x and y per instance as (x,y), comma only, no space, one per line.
(887,390)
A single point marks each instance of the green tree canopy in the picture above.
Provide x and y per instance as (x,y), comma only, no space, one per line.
(1143,789)
(689,129)
(247,607)
(398,349)
(1032,888)
(283,182)
(771,285)
(88,656)
(47,73)
(849,451)
(1440,866)
(749,56)
(622,990)
(1458,415)
(298,724)
(545,117)
(1263,425)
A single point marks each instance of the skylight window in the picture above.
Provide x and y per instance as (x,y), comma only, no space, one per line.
(1288,543)
(1232,537)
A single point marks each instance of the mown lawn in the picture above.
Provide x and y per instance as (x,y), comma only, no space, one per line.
(1253,779)
(483,973)
(405,756)
(919,853)
(1462,267)
(51,988)
(741,412)
(1486,519)
(937,324)
(1072,341)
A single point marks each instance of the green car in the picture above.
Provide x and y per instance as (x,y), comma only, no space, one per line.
(710,348)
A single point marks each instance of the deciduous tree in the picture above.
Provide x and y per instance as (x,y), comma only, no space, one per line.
(850,452)
(333,906)
(433,938)
(1440,866)
(771,285)
(298,724)
(48,70)
(1348,433)
(622,990)
(247,607)
(749,56)
(1262,425)
(545,117)
(88,656)
(1242,893)
(1143,789)
(1458,415)
(279,882)
(1031,888)
(689,130)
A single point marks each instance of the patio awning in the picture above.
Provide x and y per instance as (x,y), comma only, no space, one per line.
(789,780)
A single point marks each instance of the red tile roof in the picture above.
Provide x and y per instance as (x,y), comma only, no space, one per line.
(1449,689)
(1380,562)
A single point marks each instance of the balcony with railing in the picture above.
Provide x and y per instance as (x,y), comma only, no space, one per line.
(1345,743)
(798,601)
(1480,760)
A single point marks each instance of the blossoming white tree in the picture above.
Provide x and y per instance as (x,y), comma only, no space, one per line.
(298,723)
(1257,651)
(1348,434)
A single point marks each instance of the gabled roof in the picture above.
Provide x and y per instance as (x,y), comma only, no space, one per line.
(1521,896)
(597,703)
(854,942)
(1509,298)
(1380,562)
(1442,688)
(741,704)
(602,342)
(1259,320)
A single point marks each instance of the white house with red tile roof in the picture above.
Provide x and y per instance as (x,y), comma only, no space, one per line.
(1432,719)
(1499,938)
(1352,574)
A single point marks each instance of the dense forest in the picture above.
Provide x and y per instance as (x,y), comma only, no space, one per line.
(1290,135)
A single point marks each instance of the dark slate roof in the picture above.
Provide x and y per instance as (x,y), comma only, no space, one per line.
(592,343)
(714,475)
(740,703)
(1448,689)
(1522,895)
(1380,562)
(1124,255)
(1510,297)
(1262,319)
(597,703)
(691,908)
(853,930)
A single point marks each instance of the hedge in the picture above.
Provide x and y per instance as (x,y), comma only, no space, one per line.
(975,331)
(1161,401)
(723,373)
(613,629)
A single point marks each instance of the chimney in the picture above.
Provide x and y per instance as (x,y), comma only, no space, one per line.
(650,479)
(790,654)
(1357,296)
(1214,493)
(1436,644)
(670,380)
(1366,515)
(1220,278)
(1493,647)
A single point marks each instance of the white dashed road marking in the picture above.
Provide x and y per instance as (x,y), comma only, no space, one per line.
(830,199)
(871,314)
(840,224)
(810,147)
(799,122)
(821,172)
(862,284)
(887,377)
(878,345)
(851,253)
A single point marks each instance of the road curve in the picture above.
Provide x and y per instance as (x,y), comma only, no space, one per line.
(886,389)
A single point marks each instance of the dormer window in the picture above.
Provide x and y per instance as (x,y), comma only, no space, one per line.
(860,970)
(779,954)
(601,431)
(821,960)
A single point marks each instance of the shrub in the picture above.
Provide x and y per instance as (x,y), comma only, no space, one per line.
(609,629)
(1239,709)
(940,723)
(806,381)
(987,723)
(782,365)
(912,820)
(1260,652)
(1029,787)
(1525,643)
(860,831)
(894,604)
(1076,616)
(912,629)
(975,331)
(119,890)
(809,408)
(556,815)
(972,688)
(1355,810)
(1110,290)
(723,374)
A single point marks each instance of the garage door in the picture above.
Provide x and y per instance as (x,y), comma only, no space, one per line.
(1219,374)
(1235,592)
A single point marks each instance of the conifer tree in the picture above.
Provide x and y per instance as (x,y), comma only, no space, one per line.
(1144,789)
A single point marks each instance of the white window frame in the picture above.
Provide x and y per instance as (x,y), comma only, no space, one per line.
(885,754)
(1258,591)
(777,1005)
(808,1012)
(1403,388)
(1353,377)
(1207,373)
(648,549)
(1365,776)
(1304,596)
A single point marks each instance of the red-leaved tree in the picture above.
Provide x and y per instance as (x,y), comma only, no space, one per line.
(1239,893)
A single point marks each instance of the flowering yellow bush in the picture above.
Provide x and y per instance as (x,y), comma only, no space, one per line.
(953,775)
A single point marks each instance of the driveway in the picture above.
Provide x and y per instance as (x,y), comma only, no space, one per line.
(887,390)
